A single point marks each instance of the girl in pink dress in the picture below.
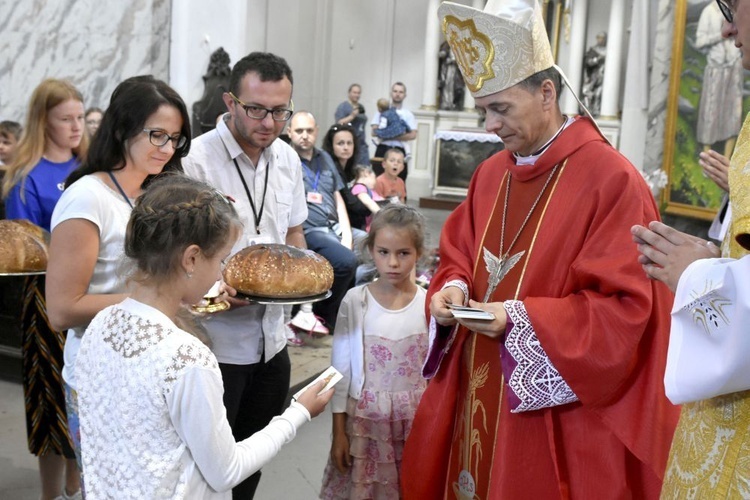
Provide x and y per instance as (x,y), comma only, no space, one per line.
(379,345)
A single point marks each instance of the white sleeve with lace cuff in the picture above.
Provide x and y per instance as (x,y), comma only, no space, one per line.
(533,381)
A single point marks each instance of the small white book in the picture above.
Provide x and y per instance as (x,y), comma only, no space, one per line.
(331,376)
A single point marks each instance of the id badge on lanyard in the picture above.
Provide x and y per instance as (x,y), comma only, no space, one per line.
(313,196)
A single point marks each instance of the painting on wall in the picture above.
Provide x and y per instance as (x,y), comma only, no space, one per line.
(457,160)
(705,106)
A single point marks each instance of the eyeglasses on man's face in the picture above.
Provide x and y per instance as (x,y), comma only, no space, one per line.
(259,112)
(727,9)
(159,138)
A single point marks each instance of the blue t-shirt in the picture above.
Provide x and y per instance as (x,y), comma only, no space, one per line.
(320,176)
(41,188)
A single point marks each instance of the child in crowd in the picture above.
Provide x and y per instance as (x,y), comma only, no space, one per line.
(52,146)
(10,133)
(389,184)
(364,189)
(391,125)
(379,345)
(153,422)
(93,118)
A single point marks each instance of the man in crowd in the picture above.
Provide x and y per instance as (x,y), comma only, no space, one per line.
(327,229)
(398,94)
(558,392)
(243,158)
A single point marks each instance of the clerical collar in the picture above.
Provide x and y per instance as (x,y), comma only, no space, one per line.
(533,157)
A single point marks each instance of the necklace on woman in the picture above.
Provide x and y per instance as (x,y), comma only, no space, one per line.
(498,266)
(119,188)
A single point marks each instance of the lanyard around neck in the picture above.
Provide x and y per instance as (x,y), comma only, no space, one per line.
(259,214)
(308,174)
(119,188)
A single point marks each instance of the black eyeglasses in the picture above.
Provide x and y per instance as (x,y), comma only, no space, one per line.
(726,10)
(259,112)
(159,138)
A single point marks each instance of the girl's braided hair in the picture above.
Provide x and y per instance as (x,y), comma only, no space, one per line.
(174,213)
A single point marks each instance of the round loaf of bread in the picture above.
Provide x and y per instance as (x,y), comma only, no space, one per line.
(278,271)
(23,247)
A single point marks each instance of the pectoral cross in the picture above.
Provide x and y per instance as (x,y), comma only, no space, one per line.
(498,267)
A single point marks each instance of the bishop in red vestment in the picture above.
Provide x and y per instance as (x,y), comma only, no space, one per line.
(561,396)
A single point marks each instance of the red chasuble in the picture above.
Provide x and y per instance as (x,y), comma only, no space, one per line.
(601,322)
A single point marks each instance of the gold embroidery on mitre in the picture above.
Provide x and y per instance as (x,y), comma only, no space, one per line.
(473,51)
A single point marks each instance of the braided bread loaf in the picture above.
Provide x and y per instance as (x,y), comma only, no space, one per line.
(278,271)
(23,247)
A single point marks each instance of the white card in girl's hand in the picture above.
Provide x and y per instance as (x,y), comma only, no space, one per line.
(464,312)
(331,376)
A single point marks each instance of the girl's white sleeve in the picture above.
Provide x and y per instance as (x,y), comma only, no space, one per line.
(341,355)
(197,411)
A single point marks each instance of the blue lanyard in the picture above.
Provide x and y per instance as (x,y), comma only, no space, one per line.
(119,188)
(308,174)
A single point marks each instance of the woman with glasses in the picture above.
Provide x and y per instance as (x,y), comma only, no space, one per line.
(144,131)
(52,145)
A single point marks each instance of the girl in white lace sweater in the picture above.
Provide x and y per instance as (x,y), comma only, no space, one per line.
(153,424)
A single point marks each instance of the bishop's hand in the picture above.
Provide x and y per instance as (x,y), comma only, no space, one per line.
(439,305)
(494,329)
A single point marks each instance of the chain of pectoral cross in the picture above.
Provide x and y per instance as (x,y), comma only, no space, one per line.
(498,266)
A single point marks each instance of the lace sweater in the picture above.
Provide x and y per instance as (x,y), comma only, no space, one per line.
(153,424)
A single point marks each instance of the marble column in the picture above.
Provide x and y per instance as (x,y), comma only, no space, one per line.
(579,13)
(613,62)
(431,48)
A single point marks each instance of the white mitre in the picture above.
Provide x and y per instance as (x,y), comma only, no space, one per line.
(498,47)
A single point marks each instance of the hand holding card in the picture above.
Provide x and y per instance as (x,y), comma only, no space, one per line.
(331,376)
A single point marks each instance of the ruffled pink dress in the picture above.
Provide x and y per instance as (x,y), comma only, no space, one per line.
(379,422)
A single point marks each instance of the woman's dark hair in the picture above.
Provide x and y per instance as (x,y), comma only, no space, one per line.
(132,103)
(172,214)
(347,172)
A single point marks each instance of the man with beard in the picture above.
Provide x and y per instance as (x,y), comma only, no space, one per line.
(244,159)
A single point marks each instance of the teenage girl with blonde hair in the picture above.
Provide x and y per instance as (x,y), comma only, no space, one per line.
(52,145)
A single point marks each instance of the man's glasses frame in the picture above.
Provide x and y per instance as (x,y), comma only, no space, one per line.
(159,138)
(259,112)
(727,10)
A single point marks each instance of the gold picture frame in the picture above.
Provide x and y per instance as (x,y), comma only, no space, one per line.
(688,192)
(552,11)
